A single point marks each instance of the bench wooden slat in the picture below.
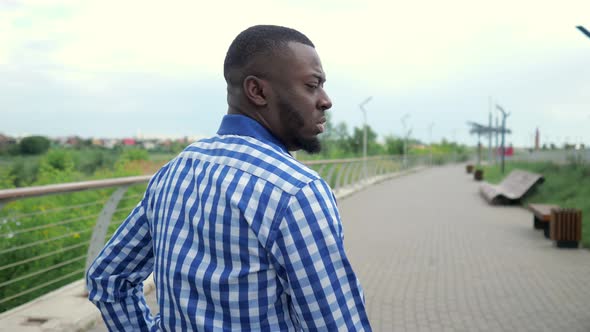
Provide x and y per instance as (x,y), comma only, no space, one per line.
(513,188)
(542,211)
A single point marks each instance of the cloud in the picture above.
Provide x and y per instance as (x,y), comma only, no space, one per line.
(438,60)
(424,40)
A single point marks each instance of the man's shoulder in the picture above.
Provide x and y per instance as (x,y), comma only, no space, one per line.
(260,159)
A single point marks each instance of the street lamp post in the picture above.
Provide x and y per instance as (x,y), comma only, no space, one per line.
(430,139)
(584,31)
(456,145)
(503,149)
(496,136)
(361,106)
(405,138)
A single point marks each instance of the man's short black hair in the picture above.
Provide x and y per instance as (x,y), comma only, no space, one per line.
(253,42)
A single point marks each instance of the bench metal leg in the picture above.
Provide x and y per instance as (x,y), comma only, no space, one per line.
(537,223)
(546,230)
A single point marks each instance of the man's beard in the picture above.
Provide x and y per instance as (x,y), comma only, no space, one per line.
(293,122)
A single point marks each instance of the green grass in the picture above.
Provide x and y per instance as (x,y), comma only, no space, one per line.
(565,185)
(22,225)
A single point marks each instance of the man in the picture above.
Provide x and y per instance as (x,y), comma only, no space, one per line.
(240,236)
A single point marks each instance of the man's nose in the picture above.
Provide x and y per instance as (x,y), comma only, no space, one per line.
(325,102)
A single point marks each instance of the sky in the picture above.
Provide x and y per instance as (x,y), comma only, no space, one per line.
(105,68)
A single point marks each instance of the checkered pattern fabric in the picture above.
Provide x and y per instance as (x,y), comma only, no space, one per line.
(240,236)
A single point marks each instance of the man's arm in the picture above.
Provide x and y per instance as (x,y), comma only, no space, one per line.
(115,278)
(309,253)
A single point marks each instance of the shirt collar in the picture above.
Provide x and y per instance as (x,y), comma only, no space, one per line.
(241,125)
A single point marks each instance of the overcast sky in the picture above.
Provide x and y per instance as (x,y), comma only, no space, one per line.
(118,68)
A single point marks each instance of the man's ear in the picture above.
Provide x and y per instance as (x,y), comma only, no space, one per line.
(254,89)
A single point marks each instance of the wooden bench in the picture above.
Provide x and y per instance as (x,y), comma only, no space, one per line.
(542,216)
(564,226)
(512,189)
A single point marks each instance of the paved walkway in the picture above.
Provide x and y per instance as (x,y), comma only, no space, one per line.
(433,256)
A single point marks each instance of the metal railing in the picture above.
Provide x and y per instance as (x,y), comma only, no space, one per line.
(555,156)
(50,234)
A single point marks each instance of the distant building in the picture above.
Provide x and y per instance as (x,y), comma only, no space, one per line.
(98,142)
(73,141)
(6,140)
(537,139)
(149,145)
(166,143)
(6,143)
(110,143)
(128,142)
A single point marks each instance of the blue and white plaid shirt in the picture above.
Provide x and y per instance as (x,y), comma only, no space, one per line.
(240,236)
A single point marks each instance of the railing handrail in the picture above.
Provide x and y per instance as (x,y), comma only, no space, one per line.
(344,160)
(25,192)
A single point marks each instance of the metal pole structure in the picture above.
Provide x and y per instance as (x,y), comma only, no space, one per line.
(456,145)
(496,132)
(490,155)
(584,31)
(405,152)
(504,116)
(430,139)
(361,106)
(478,148)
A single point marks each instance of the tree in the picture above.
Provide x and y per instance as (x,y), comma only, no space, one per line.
(334,140)
(355,142)
(394,145)
(34,145)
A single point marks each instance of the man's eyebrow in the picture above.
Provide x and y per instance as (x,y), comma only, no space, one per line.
(320,77)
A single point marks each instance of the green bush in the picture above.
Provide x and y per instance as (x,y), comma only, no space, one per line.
(90,160)
(33,145)
(23,171)
(6,178)
(134,154)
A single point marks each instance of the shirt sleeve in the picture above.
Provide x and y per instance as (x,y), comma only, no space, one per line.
(115,278)
(325,293)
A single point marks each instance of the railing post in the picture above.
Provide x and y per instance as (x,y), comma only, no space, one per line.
(374,168)
(341,171)
(359,174)
(331,175)
(347,178)
(321,170)
(102,225)
(384,165)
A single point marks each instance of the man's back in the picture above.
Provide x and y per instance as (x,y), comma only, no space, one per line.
(211,229)
(244,238)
